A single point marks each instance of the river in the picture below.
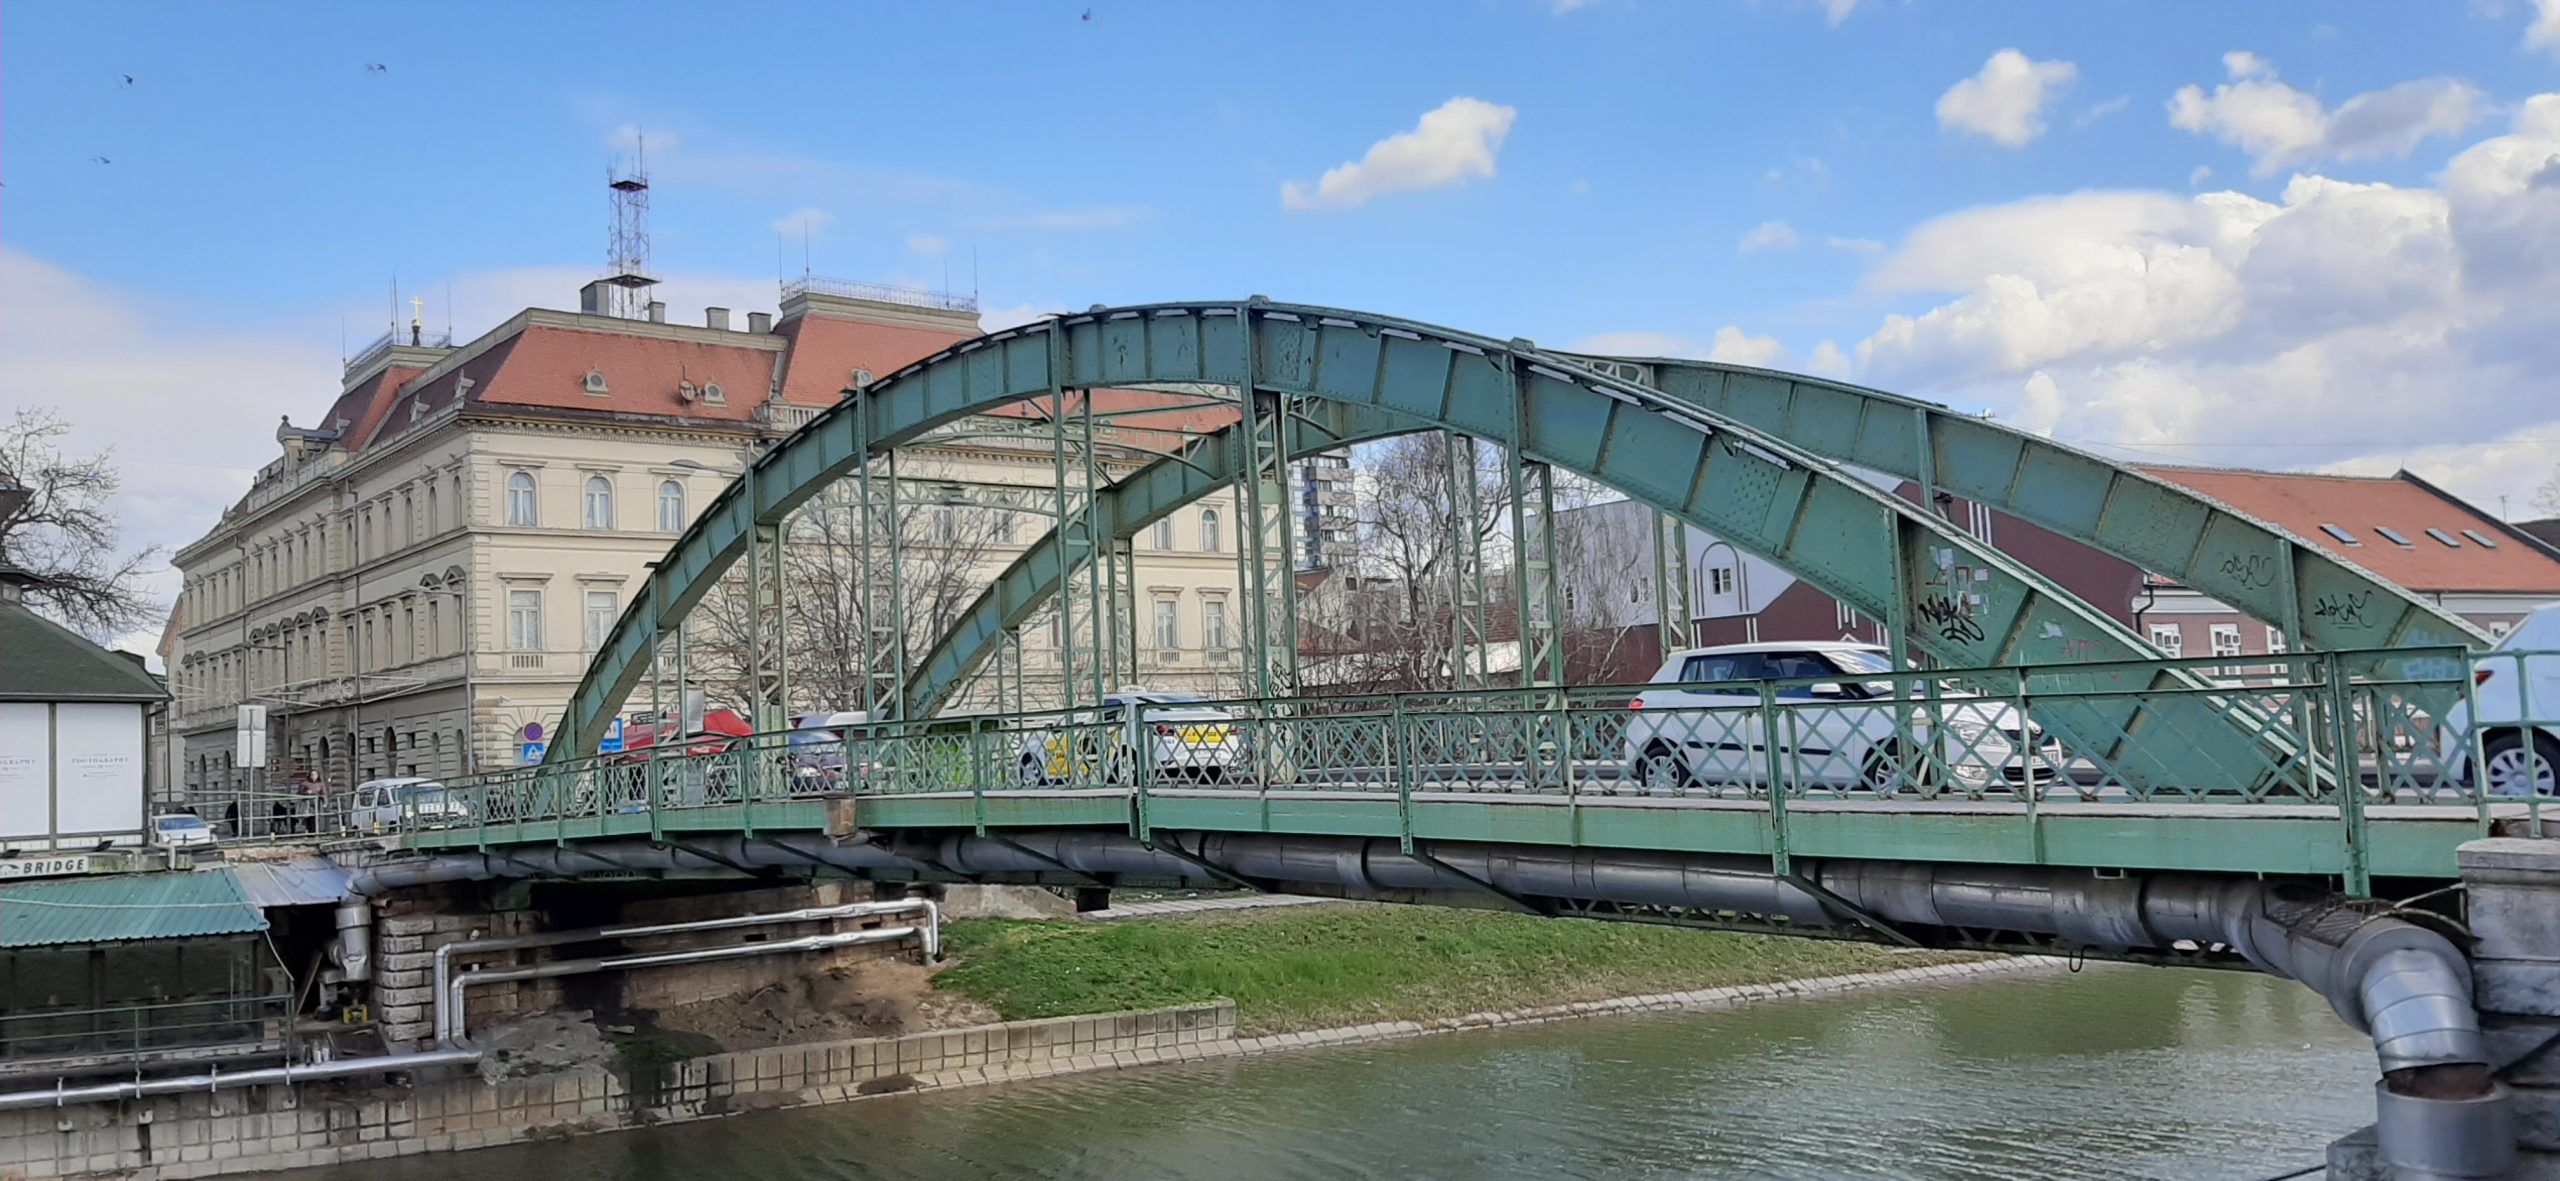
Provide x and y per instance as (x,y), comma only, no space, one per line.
(2107,1075)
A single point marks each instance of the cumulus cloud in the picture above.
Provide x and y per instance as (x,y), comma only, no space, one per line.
(2279,126)
(2339,325)
(2543,34)
(1741,348)
(2101,111)
(1836,11)
(1768,235)
(1454,142)
(2005,102)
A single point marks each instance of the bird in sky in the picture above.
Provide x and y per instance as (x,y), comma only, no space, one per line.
(128,78)
(376,68)
(1088,15)
(100,160)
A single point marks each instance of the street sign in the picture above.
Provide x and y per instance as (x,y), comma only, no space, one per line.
(612,743)
(253,737)
(533,752)
(43,867)
(533,731)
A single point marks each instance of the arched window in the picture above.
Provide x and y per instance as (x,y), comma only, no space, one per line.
(670,507)
(1209,537)
(520,510)
(599,503)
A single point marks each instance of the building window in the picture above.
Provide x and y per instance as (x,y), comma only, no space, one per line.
(1213,625)
(713,394)
(1168,626)
(1004,526)
(1163,539)
(2275,641)
(946,523)
(1210,539)
(603,607)
(524,620)
(520,508)
(2226,639)
(670,507)
(1720,580)
(599,503)
(1637,592)
(2169,639)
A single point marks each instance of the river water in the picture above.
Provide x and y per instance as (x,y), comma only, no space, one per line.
(2113,1073)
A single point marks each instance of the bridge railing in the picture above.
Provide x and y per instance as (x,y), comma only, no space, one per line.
(2334,733)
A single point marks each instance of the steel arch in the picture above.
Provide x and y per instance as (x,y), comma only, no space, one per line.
(1875,552)
(2261,570)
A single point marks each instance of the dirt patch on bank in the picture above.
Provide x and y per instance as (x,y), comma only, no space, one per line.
(875,998)
(543,1044)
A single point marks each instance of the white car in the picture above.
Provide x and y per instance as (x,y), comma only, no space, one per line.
(178,830)
(1182,738)
(1704,727)
(2519,750)
(384,804)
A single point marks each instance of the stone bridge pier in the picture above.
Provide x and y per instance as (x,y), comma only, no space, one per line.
(2512,888)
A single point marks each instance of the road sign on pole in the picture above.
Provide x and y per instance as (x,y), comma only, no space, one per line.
(612,743)
(252,750)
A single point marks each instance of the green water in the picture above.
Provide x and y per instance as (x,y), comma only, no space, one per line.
(2114,1073)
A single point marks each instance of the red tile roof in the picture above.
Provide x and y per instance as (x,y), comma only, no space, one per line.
(2403,503)
(547,366)
(826,350)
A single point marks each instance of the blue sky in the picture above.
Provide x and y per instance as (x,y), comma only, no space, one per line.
(1762,180)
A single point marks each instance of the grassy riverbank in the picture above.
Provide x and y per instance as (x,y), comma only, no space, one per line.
(1311,967)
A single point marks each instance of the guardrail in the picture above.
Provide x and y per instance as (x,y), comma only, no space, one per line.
(132,1029)
(2330,732)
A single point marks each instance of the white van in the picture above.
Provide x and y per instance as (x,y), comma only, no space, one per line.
(2520,750)
(381,805)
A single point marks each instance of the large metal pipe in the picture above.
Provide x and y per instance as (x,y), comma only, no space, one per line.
(354,946)
(63,1096)
(462,983)
(445,1029)
(2405,985)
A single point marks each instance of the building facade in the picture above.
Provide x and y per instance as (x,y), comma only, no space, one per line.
(424,573)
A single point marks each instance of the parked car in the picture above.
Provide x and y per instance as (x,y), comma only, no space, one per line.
(1704,727)
(180,830)
(381,805)
(1182,738)
(2519,751)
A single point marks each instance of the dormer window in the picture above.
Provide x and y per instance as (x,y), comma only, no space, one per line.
(595,381)
(2342,535)
(713,394)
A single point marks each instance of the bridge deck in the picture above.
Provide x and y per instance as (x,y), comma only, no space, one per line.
(2403,840)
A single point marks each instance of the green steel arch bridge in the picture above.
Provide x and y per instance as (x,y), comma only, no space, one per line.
(2028,775)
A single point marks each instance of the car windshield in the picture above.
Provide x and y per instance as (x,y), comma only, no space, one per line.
(1862,663)
(173,823)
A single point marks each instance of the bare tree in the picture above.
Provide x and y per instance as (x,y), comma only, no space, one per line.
(1383,618)
(2547,498)
(829,618)
(65,534)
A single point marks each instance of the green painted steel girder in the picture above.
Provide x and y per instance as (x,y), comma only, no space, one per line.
(1123,509)
(2319,601)
(1958,600)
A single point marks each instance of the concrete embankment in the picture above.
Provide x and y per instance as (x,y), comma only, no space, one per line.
(166,1138)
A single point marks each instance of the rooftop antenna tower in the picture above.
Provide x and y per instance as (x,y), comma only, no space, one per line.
(627,258)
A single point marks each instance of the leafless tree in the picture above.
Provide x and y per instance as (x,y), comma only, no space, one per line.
(65,533)
(1382,619)
(2547,498)
(829,621)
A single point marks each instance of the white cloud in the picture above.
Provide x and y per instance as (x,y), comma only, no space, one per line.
(1455,141)
(1735,346)
(1836,11)
(1768,235)
(927,244)
(2101,111)
(2340,325)
(2202,173)
(2005,102)
(810,221)
(1863,247)
(2543,35)
(2279,126)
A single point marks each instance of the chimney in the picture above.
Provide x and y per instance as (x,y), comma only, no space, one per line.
(759,322)
(591,298)
(717,318)
(657,311)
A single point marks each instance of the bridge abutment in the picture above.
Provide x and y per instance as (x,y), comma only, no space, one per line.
(2512,886)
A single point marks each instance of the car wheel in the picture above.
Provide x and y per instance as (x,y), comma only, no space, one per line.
(1883,773)
(2510,769)
(1662,769)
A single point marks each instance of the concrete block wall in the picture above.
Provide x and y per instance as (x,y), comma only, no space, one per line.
(168,1137)
(410,925)
(2513,884)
